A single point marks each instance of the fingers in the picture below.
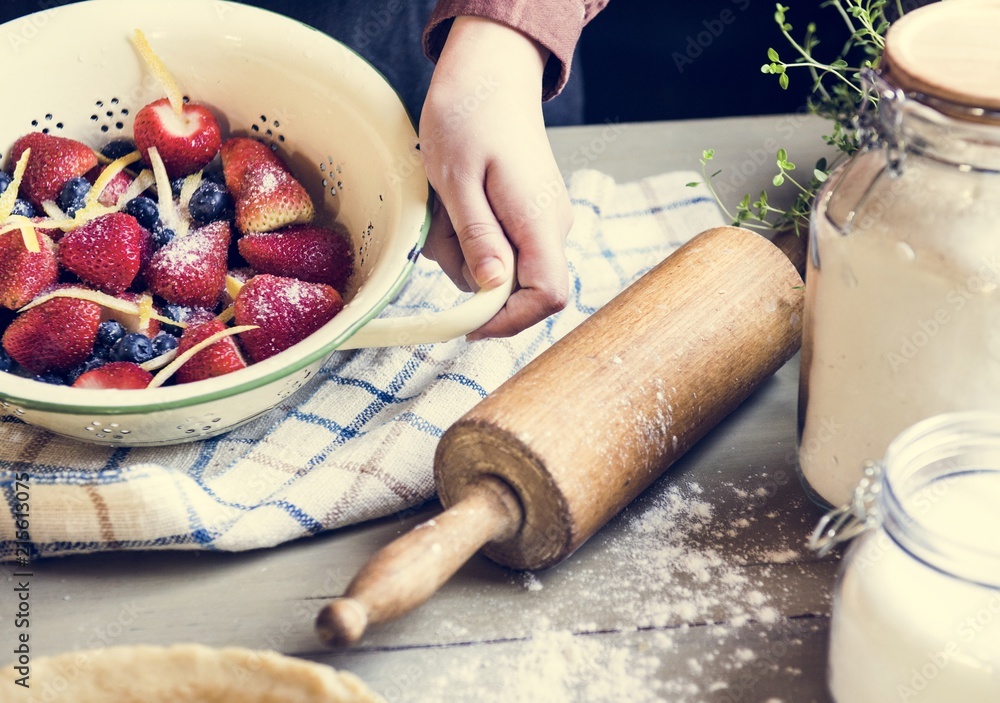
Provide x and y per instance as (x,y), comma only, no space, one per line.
(538,234)
(442,246)
(466,239)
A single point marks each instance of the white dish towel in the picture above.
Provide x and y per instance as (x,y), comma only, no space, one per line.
(358,442)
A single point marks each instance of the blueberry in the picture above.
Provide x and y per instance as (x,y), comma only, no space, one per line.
(23,208)
(144,211)
(94,362)
(108,333)
(73,194)
(163,342)
(134,347)
(177,313)
(118,148)
(53,378)
(6,363)
(5,180)
(176,184)
(214,176)
(210,202)
(162,235)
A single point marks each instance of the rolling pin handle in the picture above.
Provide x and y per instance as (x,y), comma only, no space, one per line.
(342,623)
(409,570)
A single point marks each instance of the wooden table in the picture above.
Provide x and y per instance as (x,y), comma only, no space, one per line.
(702,590)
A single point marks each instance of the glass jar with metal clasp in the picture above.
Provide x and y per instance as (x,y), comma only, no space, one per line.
(916,608)
(902,311)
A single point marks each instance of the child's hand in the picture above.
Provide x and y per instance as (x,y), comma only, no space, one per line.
(499,190)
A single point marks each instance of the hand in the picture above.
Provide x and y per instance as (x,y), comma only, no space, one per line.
(499,191)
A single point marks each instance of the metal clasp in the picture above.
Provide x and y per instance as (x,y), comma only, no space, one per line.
(882,126)
(852,519)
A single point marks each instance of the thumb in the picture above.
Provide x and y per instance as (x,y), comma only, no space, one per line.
(485,247)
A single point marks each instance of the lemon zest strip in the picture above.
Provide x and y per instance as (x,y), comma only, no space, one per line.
(170,369)
(233,286)
(28,233)
(104,300)
(145,310)
(226,315)
(9,196)
(168,213)
(143,181)
(158,362)
(159,70)
(109,173)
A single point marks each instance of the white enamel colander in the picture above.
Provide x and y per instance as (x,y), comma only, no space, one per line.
(336,121)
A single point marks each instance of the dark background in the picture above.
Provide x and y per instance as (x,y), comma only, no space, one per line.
(661,59)
(667,59)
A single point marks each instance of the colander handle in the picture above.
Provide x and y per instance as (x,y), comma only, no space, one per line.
(429,328)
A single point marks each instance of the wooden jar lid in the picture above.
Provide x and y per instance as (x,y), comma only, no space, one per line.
(948,50)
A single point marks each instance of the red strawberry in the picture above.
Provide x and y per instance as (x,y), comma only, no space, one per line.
(106,252)
(23,273)
(54,336)
(220,358)
(271,198)
(185,142)
(191,270)
(307,252)
(53,161)
(267,195)
(123,375)
(115,188)
(285,309)
(240,153)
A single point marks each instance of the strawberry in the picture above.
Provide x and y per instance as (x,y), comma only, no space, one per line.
(106,252)
(220,358)
(191,270)
(123,375)
(271,198)
(54,336)
(53,161)
(307,252)
(23,273)
(286,311)
(114,189)
(240,153)
(266,194)
(185,142)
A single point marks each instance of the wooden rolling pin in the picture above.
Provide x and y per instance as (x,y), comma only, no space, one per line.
(548,458)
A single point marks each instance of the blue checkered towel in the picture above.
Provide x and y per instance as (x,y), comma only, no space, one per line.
(356,444)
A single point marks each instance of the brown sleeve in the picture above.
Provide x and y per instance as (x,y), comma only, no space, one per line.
(555,24)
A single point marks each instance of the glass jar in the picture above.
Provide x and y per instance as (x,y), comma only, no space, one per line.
(902,316)
(916,610)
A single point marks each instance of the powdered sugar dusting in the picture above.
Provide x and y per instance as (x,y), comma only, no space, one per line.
(268,183)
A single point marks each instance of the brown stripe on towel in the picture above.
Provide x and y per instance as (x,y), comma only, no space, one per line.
(103,518)
(33,447)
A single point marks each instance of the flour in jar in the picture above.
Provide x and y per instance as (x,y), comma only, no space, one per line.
(904,631)
(903,322)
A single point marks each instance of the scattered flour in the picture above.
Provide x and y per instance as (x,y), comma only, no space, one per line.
(664,570)
(531,582)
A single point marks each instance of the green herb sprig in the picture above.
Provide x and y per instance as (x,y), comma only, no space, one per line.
(836,93)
